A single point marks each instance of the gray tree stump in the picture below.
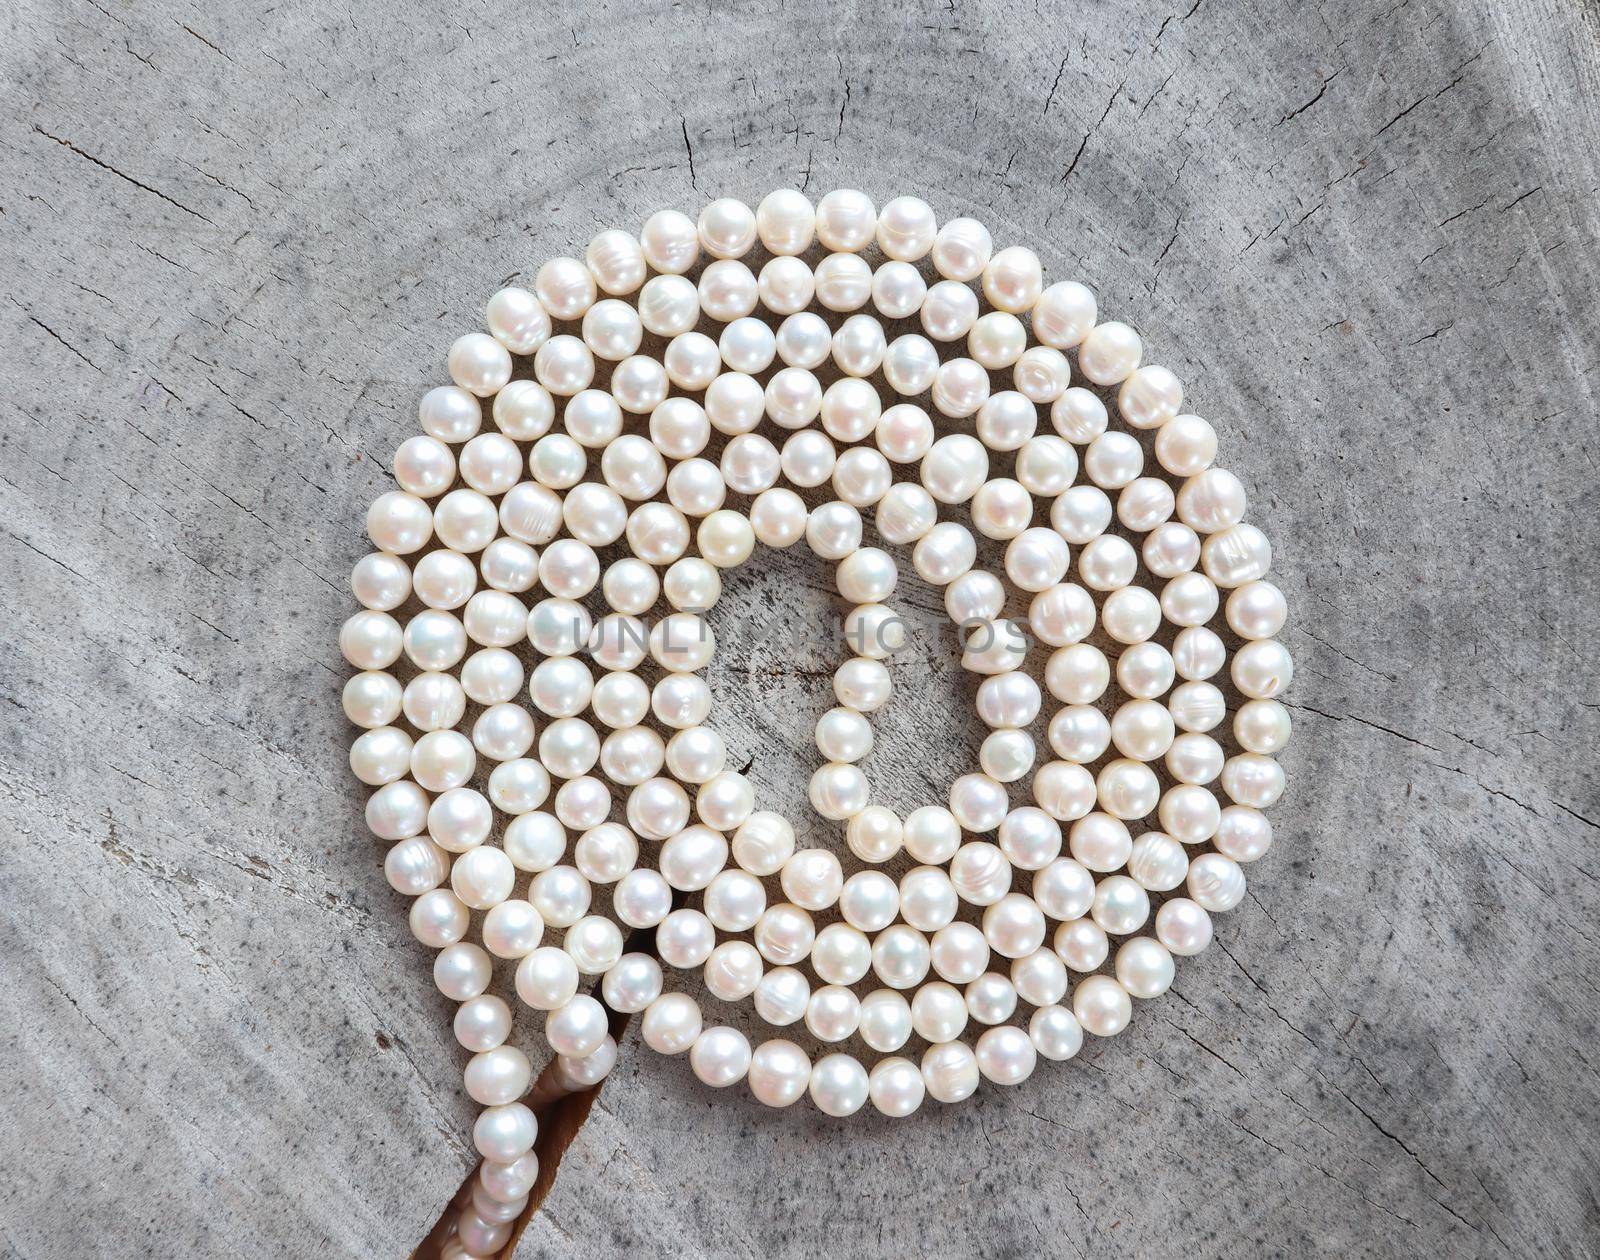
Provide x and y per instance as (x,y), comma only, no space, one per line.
(236,241)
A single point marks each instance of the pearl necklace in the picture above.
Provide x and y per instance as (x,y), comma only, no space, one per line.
(478,798)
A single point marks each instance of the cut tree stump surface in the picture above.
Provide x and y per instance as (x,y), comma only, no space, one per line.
(236,241)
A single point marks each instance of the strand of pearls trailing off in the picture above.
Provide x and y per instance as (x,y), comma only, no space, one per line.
(535,630)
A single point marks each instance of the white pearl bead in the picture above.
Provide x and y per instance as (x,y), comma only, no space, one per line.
(896,1087)
(906,229)
(728,290)
(691,859)
(838,1085)
(1102,1006)
(670,241)
(1183,927)
(1063,314)
(633,984)
(928,900)
(897,290)
(1006,1055)
(561,895)
(720,1056)
(1079,416)
(612,329)
(595,945)
(1110,353)
(1262,669)
(1055,1032)
(414,866)
(960,387)
(671,1023)
(616,261)
(479,364)
(1256,610)
(839,791)
(1002,509)
(1144,967)
(1081,944)
(1061,615)
(1244,834)
(1236,556)
(1014,926)
(949,311)
(750,465)
(844,282)
(1013,280)
(976,595)
(381,581)
(424,466)
(1262,726)
(524,410)
(763,843)
(901,956)
(482,1023)
(1042,374)
(499,1076)
(370,640)
(1150,397)
(517,320)
(482,877)
(833,1013)
(950,1071)
(509,1181)
(778,517)
(449,413)
(1065,791)
(862,684)
(804,340)
(1100,842)
(1157,861)
(1216,883)
(1081,514)
(781,996)
(1007,755)
(779,1073)
(859,346)
(1252,779)
(747,345)
(692,360)
(727,228)
(959,953)
(1040,978)
(399,522)
(381,756)
(978,802)
(909,365)
(566,287)
(842,954)
(1120,905)
(733,971)
(997,341)
(786,285)
(846,220)
(685,939)
(605,853)
(962,249)
(578,1028)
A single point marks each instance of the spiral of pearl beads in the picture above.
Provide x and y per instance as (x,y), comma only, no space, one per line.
(635,423)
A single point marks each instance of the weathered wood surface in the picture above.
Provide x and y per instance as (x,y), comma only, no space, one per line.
(235,241)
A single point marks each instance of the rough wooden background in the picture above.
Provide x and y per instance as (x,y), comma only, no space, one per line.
(235,240)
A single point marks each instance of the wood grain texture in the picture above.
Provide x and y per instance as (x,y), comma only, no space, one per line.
(236,240)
